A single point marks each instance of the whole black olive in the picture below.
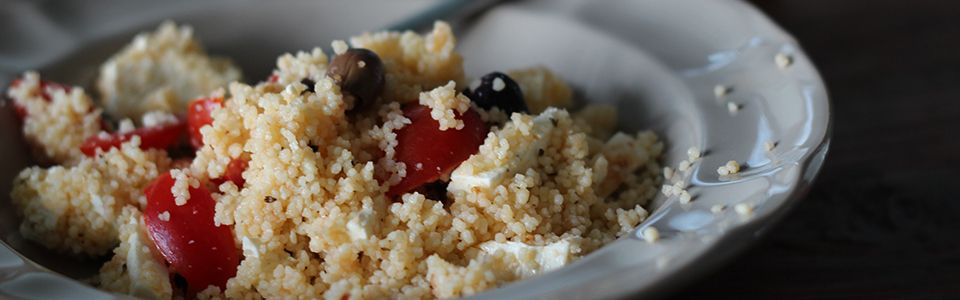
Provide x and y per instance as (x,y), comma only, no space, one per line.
(497,90)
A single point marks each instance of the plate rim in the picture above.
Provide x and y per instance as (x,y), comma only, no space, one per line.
(810,164)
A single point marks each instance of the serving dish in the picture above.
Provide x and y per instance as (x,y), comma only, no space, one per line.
(673,66)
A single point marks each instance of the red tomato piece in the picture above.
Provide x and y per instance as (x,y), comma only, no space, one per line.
(429,152)
(20,110)
(233,173)
(156,137)
(201,252)
(198,115)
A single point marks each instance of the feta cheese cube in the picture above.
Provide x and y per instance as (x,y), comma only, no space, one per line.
(134,269)
(533,260)
(250,248)
(524,139)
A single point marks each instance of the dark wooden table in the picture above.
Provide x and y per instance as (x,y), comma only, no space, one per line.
(882,220)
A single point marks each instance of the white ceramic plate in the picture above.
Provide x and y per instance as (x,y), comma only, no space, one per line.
(658,61)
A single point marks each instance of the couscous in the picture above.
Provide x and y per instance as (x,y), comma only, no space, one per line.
(379,171)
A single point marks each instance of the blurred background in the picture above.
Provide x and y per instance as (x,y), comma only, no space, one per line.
(882,220)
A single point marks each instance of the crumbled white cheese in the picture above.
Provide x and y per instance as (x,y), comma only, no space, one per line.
(133,254)
(157,118)
(98,205)
(360,227)
(125,126)
(163,70)
(531,259)
(135,268)
(250,248)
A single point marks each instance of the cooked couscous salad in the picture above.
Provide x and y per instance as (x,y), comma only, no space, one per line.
(376,171)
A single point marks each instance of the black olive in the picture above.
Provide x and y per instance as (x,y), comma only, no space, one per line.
(309,83)
(497,90)
(179,281)
(358,72)
(436,190)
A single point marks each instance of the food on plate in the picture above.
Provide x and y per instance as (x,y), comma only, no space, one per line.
(375,171)
(730,168)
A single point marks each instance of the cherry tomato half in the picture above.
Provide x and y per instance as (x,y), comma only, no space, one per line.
(198,115)
(156,137)
(202,253)
(429,152)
